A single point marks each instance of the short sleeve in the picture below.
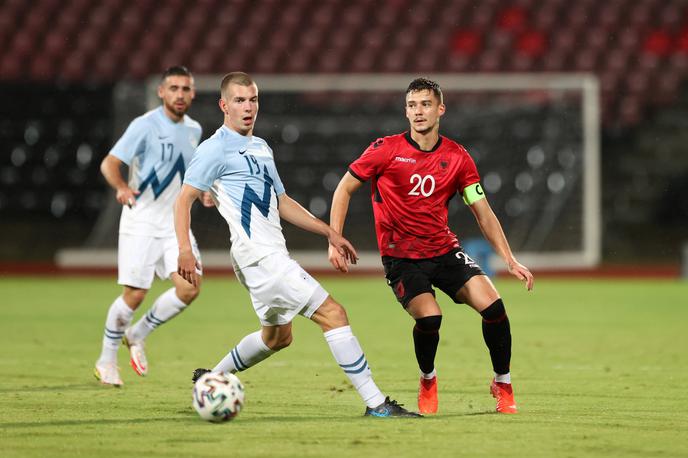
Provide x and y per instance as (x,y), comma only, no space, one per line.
(199,133)
(277,183)
(372,162)
(206,166)
(468,173)
(132,142)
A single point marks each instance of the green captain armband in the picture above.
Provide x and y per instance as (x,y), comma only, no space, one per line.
(473,193)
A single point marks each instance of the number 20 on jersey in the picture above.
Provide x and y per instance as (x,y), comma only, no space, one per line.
(424,186)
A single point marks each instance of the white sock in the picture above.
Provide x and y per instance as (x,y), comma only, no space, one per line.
(349,355)
(118,318)
(429,376)
(165,307)
(503,378)
(249,352)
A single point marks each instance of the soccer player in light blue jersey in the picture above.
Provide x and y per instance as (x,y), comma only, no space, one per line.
(157,148)
(238,170)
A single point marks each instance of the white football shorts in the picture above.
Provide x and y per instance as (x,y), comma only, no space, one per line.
(140,258)
(280,289)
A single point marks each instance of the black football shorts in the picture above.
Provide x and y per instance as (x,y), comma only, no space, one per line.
(410,277)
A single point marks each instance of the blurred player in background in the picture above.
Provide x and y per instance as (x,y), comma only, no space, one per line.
(239,170)
(414,175)
(156,147)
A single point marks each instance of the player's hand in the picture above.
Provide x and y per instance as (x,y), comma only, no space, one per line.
(188,267)
(521,272)
(127,196)
(207,200)
(338,261)
(341,252)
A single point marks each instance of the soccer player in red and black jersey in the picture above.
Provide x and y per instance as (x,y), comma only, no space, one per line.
(414,175)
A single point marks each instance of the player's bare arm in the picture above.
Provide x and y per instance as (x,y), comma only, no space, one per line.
(340,207)
(293,212)
(187,264)
(492,230)
(111,170)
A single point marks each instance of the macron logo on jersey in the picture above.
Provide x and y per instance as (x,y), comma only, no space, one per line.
(408,160)
(251,198)
(160,186)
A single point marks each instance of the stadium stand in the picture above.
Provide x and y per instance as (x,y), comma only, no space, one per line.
(631,45)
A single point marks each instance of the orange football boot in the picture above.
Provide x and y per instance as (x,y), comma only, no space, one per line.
(427,395)
(504,394)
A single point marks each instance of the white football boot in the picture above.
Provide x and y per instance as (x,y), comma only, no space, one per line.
(108,374)
(137,355)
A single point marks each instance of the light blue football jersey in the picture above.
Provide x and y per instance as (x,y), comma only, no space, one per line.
(157,151)
(240,173)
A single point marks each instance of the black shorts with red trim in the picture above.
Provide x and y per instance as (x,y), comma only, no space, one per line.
(410,277)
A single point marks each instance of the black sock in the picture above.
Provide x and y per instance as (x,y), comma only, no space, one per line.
(497,335)
(426,336)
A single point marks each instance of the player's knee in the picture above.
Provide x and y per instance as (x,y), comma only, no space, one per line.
(277,343)
(133,296)
(494,312)
(335,314)
(187,294)
(429,324)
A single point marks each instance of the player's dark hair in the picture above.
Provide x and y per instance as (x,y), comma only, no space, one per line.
(422,84)
(176,70)
(240,78)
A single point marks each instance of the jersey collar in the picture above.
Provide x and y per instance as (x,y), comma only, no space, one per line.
(234,133)
(168,121)
(413,143)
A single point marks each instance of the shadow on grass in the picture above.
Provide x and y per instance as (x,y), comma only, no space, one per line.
(92,421)
(72,387)
(191,417)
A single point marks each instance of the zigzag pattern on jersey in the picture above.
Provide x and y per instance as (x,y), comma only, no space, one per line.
(251,198)
(159,187)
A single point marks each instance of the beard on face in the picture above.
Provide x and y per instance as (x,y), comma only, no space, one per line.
(177,111)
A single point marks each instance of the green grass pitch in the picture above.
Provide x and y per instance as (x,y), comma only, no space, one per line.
(599,369)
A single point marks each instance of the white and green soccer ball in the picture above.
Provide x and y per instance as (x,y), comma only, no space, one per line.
(218,397)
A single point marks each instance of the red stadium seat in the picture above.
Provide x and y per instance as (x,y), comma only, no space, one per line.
(489,61)
(466,42)
(586,61)
(363,61)
(532,43)
(616,60)
(512,19)
(73,68)
(555,61)
(658,42)
(299,62)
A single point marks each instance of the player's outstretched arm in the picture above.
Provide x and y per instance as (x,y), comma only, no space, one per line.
(340,207)
(492,230)
(111,170)
(292,211)
(187,264)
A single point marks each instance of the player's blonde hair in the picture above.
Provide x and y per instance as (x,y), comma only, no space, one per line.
(240,78)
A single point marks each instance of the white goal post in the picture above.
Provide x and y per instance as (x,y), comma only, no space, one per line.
(583,198)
